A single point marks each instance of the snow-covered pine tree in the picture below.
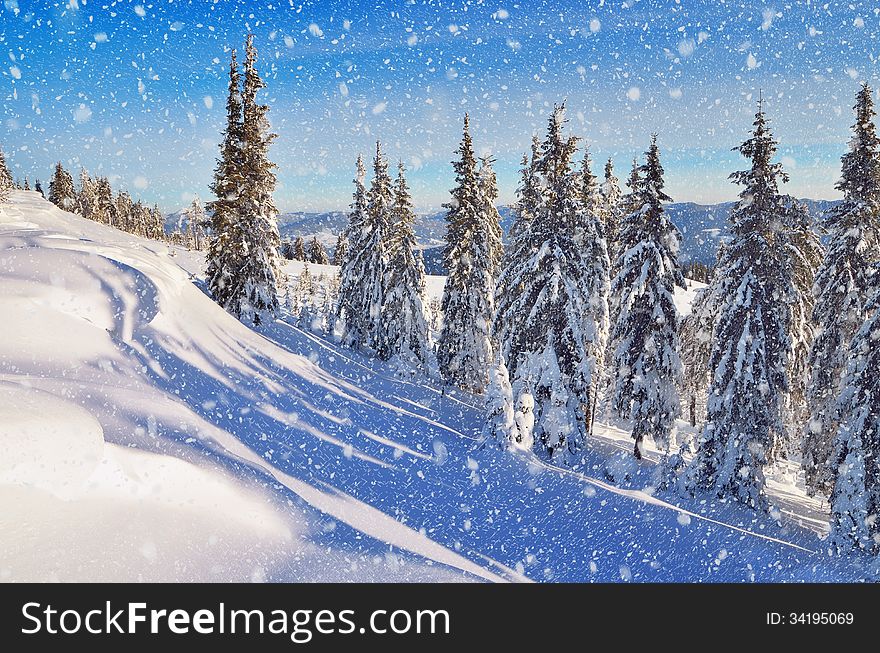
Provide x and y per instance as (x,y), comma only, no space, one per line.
(520,248)
(225,242)
(155,224)
(317,254)
(363,274)
(855,495)
(340,250)
(104,210)
(842,287)
(196,223)
(646,368)
(299,249)
(139,216)
(695,336)
(85,199)
(552,317)
(351,312)
(405,331)
(591,198)
(61,191)
(27,184)
(124,205)
(259,268)
(501,427)
(611,208)
(749,357)
(6,183)
(472,257)
(802,254)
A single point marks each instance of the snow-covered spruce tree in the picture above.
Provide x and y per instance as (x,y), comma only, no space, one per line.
(299,249)
(196,221)
(749,358)
(552,315)
(501,427)
(340,250)
(124,206)
(317,254)
(61,191)
(259,270)
(646,368)
(403,314)
(225,243)
(104,209)
(363,273)
(855,495)
(472,257)
(351,313)
(842,287)
(802,253)
(85,198)
(6,183)
(591,199)
(155,224)
(610,208)
(520,247)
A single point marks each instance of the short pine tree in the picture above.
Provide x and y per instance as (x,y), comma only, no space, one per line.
(317,254)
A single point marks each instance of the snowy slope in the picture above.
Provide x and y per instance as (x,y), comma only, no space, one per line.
(152,436)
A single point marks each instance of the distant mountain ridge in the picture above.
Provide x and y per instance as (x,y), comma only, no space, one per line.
(703,227)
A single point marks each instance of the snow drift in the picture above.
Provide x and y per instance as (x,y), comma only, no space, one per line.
(148,435)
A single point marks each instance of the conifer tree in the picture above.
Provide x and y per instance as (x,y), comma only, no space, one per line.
(61,191)
(196,222)
(341,249)
(842,287)
(351,311)
(472,257)
(103,210)
(124,206)
(86,197)
(362,293)
(225,244)
(611,208)
(749,358)
(646,364)
(299,249)
(695,335)
(27,184)
(552,312)
(855,495)
(6,183)
(139,218)
(259,269)
(405,331)
(317,254)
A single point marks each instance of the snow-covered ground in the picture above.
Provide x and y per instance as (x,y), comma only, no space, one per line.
(147,435)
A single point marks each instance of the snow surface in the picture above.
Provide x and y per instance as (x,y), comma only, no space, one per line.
(148,435)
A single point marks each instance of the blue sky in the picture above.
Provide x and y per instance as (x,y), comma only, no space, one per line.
(135,90)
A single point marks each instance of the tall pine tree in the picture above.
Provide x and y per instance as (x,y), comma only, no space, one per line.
(842,287)
(610,197)
(472,257)
(6,183)
(750,350)
(405,330)
(259,271)
(225,242)
(552,312)
(646,364)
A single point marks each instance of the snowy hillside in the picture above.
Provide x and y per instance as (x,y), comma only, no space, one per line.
(148,435)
